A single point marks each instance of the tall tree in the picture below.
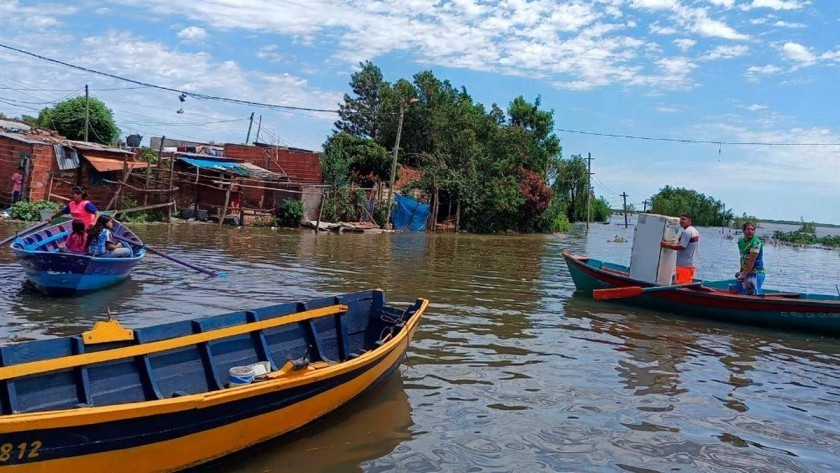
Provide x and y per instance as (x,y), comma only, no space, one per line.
(68,119)
(360,115)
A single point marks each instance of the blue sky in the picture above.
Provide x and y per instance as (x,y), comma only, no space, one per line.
(699,76)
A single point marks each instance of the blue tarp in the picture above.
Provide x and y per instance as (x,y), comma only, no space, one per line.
(409,214)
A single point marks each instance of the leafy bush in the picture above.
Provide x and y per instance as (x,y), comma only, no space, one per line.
(290,213)
(738,222)
(31,210)
(127,202)
(807,235)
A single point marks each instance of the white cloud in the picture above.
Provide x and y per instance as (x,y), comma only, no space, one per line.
(756,107)
(654,4)
(726,52)
(753,72)
(269,53)
(798,53)
(666,109)
(723,3)
(192,33)
(663,30)
(777,4)
(786,24)
(685,44)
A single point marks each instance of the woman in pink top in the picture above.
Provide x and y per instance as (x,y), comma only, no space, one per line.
(77,241)
(79,208)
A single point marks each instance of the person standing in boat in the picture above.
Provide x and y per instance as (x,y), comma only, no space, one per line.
(79,208)
(101,243)
(751,276)
(686,247)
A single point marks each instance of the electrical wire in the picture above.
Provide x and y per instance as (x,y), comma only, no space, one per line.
(169,89)
(687,140)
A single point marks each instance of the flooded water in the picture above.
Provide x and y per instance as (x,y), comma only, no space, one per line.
(509,370)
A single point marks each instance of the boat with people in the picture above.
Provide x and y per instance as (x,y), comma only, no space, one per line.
(175,395)
(56,272)
(818,313)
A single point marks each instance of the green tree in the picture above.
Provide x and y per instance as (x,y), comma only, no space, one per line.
(68,119)
(360,115)
(350,159)
(705,211)
(570,186)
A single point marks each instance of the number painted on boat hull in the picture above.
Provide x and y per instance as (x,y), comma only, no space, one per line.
(23,451)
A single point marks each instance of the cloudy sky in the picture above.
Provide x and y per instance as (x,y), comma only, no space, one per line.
(736,99)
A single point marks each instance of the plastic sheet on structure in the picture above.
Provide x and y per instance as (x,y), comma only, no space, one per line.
(409,214)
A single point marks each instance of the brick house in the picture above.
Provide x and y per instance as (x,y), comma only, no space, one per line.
(53,165)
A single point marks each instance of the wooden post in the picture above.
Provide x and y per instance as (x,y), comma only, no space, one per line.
(169,194)
(195,208)
(457,216)
(227,202)
(320,210)
(49,189)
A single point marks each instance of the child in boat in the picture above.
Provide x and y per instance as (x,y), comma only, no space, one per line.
(101,243)
(77,241)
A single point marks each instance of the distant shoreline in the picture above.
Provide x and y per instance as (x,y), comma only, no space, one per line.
(792,222)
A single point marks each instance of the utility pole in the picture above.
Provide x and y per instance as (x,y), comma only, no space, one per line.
(403,104)
(645,203)
(624,194)
(588,185)
(250,124)
(87,111)
(259,127)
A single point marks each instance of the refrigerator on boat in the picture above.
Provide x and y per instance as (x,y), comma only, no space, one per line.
(650,262)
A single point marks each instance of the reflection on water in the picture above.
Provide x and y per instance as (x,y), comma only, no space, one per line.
(368,428)
(509,371)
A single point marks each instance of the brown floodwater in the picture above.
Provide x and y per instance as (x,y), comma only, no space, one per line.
(509,370)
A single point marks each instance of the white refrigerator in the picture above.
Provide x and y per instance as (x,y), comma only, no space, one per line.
(650,262)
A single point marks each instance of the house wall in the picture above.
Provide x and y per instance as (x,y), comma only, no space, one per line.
(40,159)
(301,166)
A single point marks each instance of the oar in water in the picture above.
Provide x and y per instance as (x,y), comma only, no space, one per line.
(24,232)
(170,257)
(632,291)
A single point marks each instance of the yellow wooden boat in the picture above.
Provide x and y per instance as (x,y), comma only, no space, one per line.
(172,396)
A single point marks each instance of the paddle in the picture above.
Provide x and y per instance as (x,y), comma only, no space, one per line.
(24,232)
(171,258)
(632,291)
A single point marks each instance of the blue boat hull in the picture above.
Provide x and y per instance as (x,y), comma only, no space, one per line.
(61,274)
(57,273)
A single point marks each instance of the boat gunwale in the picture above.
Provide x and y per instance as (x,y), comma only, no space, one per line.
(95,414)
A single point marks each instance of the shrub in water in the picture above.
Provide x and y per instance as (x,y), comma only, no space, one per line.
(31,210)
(290,213)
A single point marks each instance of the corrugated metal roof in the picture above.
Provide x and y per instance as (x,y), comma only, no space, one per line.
(14,124)
(66,158)
(24,138)
(233,167)
(106,164)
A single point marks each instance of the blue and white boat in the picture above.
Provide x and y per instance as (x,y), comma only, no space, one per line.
(57,273)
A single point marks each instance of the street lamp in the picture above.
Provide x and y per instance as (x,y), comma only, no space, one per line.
(403,103)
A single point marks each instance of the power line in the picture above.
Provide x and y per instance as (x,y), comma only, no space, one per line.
(169,89)
(687,140)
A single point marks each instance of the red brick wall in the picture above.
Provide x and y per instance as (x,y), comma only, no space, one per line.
(41,157)
(301,166)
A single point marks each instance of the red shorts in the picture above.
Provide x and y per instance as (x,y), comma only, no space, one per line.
(684,275)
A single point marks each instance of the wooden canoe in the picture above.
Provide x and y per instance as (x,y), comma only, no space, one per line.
(818,313)
(158,398)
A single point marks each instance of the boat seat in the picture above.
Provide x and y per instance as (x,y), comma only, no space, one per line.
(46,241)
